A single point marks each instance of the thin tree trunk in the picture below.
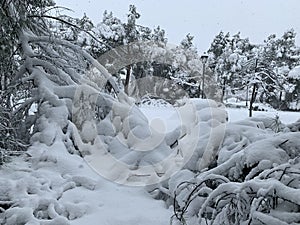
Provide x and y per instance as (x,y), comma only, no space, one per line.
(280,97)
(254,92)
(252,100)
(128,70)
(247,95)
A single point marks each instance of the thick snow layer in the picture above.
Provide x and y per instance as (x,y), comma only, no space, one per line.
(147,146)
(62,189)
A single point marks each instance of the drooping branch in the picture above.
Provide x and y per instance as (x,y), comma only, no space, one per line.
(94,62)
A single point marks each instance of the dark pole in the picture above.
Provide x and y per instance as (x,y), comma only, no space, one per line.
(203,72)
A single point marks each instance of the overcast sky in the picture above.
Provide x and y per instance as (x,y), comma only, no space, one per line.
(255,19)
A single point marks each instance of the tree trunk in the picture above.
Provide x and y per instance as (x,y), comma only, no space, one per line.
(126,84)
(252,100)
(247,93)
(280,102)
(254,92)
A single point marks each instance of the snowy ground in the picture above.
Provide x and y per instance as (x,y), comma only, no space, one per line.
(85,197)
(169,116)
(67,185)
(239,112)
(121,205)
(235,114)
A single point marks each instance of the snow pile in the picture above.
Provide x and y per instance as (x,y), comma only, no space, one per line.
(37,185)
(131,150)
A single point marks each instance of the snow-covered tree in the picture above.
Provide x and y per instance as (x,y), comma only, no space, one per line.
(293,89)
(187,69)
(226,59)
(287,52)
(42,97)
(111,31)
(232,57)
(218,45)
(282,55)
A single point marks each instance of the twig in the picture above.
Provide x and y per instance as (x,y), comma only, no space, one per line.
(283,143)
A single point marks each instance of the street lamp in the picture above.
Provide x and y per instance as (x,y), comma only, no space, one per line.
(204,58)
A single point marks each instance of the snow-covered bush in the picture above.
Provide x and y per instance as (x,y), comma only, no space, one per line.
(255,180)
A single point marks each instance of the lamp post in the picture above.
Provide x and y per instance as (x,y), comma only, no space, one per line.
(204,58)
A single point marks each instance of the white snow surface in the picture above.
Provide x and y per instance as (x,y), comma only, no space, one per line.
(237,114)
(61,186)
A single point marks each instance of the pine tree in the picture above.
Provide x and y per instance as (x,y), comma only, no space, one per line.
(282,55)
(227,54)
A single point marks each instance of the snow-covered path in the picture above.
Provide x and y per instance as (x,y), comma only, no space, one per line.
(120,205)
